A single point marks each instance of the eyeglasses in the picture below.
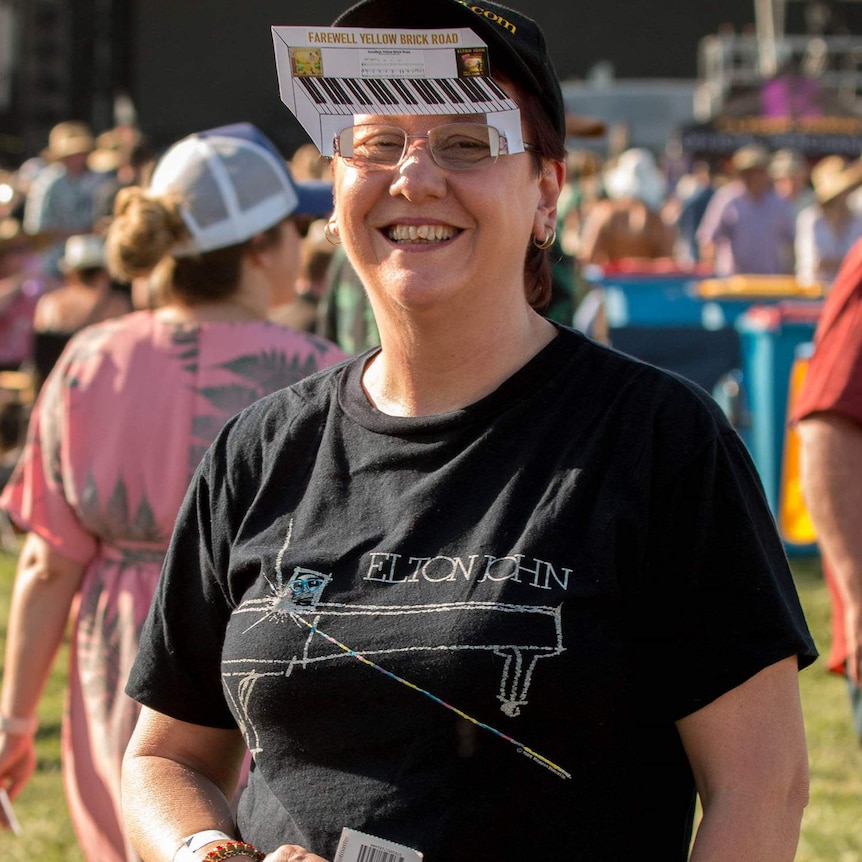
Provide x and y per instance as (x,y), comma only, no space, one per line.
(453,146)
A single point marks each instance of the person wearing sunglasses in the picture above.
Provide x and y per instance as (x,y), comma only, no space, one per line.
(490,591)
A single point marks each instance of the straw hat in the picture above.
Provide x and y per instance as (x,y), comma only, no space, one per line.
(69,138)
(749,157)
(109,153)
(834,175)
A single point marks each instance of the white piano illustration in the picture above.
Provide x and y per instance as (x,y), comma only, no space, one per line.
(329,75)
(520,635)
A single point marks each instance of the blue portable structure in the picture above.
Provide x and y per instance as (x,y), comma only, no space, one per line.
(735,336)
(682,318)
(654,312)
(771,337)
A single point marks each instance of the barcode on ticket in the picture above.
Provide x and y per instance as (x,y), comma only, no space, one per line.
(375,854)
(356,846)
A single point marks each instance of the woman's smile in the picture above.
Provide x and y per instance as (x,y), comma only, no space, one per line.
(426,234)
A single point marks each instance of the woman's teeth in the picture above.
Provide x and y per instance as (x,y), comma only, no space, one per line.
(420,233)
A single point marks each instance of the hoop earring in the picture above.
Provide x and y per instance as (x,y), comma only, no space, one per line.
(547,242)
(330,231)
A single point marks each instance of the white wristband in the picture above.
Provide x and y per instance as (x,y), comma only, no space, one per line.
(16,725)
(186,850)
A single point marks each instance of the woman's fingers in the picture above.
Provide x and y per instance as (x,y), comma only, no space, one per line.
(293,853)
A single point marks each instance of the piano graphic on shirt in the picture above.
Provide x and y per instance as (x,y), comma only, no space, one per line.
(520,635)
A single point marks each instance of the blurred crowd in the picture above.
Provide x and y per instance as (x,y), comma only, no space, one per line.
(752,212)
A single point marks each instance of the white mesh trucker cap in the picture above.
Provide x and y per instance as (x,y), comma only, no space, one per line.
(233,184)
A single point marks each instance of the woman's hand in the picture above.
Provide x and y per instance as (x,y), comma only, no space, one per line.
(292,853)
(177,780)
(17,762)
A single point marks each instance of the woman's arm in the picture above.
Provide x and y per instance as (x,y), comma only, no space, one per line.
(747,751)
(177,780)
(45,586)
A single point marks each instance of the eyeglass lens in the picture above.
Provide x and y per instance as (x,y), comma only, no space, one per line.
(454,146)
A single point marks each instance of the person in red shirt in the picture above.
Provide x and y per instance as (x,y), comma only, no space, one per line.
(828,413)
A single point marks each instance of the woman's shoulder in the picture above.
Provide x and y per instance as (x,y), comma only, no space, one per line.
(48,313)
(114,332)
(649,394)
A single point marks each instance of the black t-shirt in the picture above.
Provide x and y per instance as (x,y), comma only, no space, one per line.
(472,633)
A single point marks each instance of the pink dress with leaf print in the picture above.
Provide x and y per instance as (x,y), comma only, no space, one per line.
(118,430)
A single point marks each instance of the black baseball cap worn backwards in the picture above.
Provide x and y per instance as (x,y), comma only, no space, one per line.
(516,42)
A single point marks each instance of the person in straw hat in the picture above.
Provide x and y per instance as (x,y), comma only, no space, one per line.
(828,417)
(827,229)
(791,176)
(60,201)
(747,228)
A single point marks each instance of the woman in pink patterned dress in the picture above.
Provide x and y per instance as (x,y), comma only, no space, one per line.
(118,431)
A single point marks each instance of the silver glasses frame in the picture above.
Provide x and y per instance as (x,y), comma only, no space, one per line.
(498,144)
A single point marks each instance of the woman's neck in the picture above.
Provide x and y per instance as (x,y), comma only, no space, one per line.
(249,301)
(423,371)
(231,310)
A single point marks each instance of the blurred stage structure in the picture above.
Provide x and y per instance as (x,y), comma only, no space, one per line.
(799,90)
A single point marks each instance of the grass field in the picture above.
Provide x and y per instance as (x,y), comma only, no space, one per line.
(830,832)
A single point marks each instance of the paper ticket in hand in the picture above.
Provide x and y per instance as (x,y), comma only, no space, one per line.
(356,846)
(7,815)
(328,75)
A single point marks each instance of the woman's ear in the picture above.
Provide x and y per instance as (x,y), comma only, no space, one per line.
(257,248)
(551,182)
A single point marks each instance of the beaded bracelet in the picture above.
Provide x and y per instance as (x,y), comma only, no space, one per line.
(233,848)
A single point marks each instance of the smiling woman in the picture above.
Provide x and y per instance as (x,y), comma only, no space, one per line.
(490,591)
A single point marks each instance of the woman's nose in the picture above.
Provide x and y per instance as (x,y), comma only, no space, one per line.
(417,174)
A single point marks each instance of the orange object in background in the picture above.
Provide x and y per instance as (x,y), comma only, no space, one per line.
(781,286)
(794,522)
